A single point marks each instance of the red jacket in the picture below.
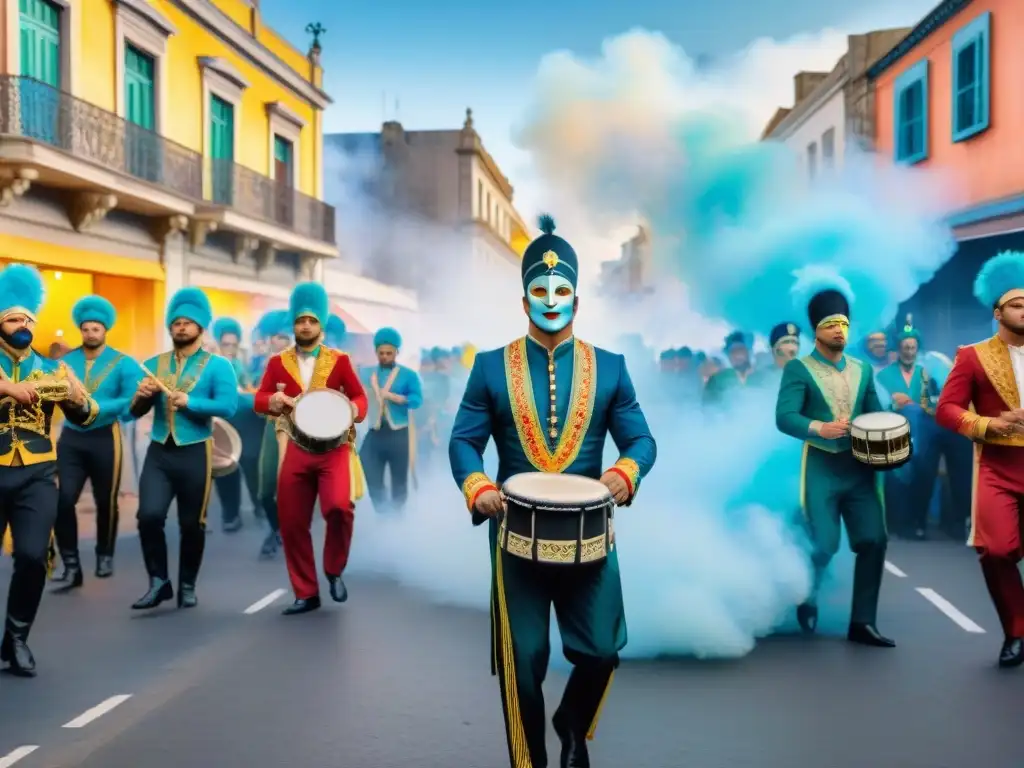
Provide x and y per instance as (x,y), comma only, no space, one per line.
(979,388)
(333,370)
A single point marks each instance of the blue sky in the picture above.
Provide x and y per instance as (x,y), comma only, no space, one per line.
(436,57)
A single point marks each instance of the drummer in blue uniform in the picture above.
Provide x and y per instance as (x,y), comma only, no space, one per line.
(393,391)
(549,401)
(908,490)
(93,452)
(227,332)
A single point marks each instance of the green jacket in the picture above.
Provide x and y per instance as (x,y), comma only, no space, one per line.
(815,391)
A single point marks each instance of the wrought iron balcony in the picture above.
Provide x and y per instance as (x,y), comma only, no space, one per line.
(39,112)
(264,198)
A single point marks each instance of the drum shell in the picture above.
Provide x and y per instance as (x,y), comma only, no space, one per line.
(557,534)
(227,443)
(313,445)
(879,453)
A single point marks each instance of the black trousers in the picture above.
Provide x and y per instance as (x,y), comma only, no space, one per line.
(180,473)
(229,487)
(95,456)
(28,504)
(386,448)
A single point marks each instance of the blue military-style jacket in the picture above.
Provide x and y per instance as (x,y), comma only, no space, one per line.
(110,380)
(509,397)
(212,388)
(399,380)
(246,399)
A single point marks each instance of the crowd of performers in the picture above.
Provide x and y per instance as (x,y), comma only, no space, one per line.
(548,400)
(103,393)
(936,484)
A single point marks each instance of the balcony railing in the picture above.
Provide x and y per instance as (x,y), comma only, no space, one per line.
(264,198)
(42,113)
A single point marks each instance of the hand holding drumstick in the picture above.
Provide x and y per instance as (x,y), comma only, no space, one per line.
(150,385)
(280,402)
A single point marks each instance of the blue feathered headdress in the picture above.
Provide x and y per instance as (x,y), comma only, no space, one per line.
(192,304)
(309,300)
(276,322)
(225,326)
(387,336)
(1000,279)
(94,309)
(21,291)
(549,254)
(335,331)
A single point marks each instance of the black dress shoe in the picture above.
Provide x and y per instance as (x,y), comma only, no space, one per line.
(868,634)
(1012,654)
(70,575)
(187,596)
(339,593)
(160,590)
(104,567)
(807,618)
(574,746)
(271,545)
(15,652)
(302,606)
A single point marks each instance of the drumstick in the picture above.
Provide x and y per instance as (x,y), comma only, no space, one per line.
(166,390)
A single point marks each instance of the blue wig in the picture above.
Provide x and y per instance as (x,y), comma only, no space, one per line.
(336,330)
(225,326)
(94,309)
(309,300)
(192,304)
(387,336)
(21,291)
(1000,279)
(276,322)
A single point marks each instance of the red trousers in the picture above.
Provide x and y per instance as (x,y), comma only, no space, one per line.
(996,531)
(305,476)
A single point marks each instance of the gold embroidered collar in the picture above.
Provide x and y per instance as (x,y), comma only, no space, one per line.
(524,406)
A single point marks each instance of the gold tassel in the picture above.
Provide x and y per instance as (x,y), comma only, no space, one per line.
(356,478)
(8,547)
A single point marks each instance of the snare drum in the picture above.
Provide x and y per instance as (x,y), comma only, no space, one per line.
(556,519)
(321,421)
(881,440)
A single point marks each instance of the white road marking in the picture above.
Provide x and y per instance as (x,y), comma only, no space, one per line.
(98,711)
(951,611)
(12,757)
(263,602)
(894,570)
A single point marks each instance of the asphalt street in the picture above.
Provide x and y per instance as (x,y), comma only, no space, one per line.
(390,680)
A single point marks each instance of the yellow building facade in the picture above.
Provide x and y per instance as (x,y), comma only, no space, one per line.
(151,144)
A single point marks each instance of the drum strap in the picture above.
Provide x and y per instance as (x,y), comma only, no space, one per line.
(379,392)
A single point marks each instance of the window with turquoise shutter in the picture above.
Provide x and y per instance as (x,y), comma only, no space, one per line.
(40,46)
(910,114)
(142,146)
(971,78)
(222,150)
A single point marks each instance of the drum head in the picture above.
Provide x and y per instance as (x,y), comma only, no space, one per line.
(880,421)
(555,488)
(323,414)
(227,444)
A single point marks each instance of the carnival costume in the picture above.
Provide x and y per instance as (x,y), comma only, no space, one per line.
(550,410)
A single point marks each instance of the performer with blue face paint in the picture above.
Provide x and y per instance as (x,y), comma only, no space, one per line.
(550,401)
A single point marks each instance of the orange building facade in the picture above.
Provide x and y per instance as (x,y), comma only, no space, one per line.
(948,97)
